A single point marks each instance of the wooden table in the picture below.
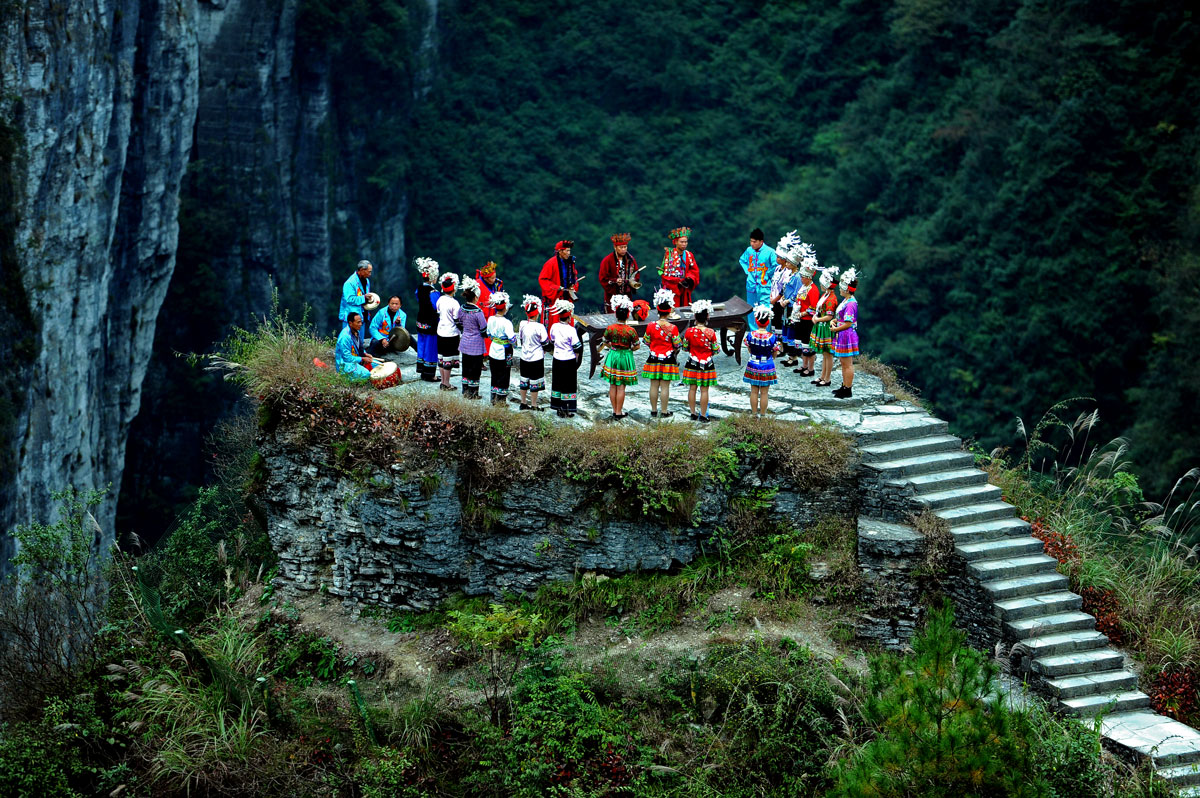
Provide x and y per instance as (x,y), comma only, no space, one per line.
(732,317)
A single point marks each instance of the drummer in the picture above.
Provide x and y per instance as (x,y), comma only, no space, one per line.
(384,325)
(349,357)
(354,294)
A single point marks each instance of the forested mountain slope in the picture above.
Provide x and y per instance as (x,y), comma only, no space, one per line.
(1017,180)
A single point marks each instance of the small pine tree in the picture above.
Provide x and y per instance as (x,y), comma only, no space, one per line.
(941,728)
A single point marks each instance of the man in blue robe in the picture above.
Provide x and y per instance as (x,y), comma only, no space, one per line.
(354,294)
(758,263)
(348,355)
(384,324)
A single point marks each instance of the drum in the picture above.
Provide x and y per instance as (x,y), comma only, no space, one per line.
(400,340)
(385,375)
(373,302)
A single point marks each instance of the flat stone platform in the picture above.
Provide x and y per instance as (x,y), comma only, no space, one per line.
(793,398)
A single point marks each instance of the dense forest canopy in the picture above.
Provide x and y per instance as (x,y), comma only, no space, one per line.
(1016,180)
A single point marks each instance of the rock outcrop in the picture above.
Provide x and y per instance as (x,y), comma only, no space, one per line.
(99,99)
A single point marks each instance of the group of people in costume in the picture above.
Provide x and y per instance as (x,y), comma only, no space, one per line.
(796,312)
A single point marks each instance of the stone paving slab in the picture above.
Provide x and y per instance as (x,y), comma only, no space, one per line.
(793,398)
(1167,741)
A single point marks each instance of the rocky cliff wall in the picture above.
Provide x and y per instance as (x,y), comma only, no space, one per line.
(397,537)
(99,98)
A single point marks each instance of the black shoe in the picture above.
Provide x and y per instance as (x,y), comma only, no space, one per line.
(667,414)
(843,393)
(561,413)
(695,417)
(653,414)
(817,381)
(524,406)
(705,419)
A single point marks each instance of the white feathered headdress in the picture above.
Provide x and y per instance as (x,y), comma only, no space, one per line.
(428,267)
(849,276)
(808,260)
(564,306)
(621,301)
(498,298)
(531,302)
(827,276)
(762,312)
(469,286)
(702,306)
(789,248)
(664,296)
(449,278)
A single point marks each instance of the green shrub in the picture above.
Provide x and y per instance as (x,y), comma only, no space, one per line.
(940,730)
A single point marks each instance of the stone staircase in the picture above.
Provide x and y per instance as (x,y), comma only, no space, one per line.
(913,454)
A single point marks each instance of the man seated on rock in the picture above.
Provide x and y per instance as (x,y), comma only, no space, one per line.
(348,354)
(384,326)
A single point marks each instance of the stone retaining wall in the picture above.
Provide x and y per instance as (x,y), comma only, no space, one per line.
(397,537)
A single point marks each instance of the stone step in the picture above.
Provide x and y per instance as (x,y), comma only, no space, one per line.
(1015,609)
(994,549)
(990,530)
(1065,643)
(1079,662)
(913,447)
(1091,705)
(1181,775)
(1039,626)
(1092,684)
(1189,792)
(884,428)
(960,497)
(921,464)
(1012,567)
(1025,585)
(976,513)
(1168,743)
(943,480)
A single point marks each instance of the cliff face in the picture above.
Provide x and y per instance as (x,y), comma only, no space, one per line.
(99,101)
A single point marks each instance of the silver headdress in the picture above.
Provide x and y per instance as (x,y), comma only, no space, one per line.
(564,306)
(449,277)
(498,298)
(428,267)
(848,276)
(664,296)
(828,274)
(762,312)
(702,306)
(621,301)
(530,302)
(469,286)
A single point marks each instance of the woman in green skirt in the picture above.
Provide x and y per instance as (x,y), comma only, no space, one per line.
(822,332)
(619,368)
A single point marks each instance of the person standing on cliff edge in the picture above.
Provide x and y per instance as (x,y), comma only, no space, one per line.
(618,271)
(679,271)
(354,296)
(758,262)
(559,280)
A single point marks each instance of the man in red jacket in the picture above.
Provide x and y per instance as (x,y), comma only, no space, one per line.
(618,271)
(679,270)
(559,279)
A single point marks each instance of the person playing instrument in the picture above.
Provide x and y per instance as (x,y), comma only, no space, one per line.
(501,338)
(384,325)
(757,261)
(559,279)
(472,323)
(845,330)
(534,339)
(449,328)
(348,355)
(354,295)
(679,271)
(700,371)
(822,334)
(427,319)
(661,367)
(619,270)
(760,367)
(620,370)
(564,379)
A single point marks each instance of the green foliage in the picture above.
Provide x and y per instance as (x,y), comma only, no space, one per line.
(503,635)
(391,775)
(940,729)
(209,556)
(51,605)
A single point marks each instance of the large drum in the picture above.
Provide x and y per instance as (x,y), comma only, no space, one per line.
(385,375)
(400,340)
